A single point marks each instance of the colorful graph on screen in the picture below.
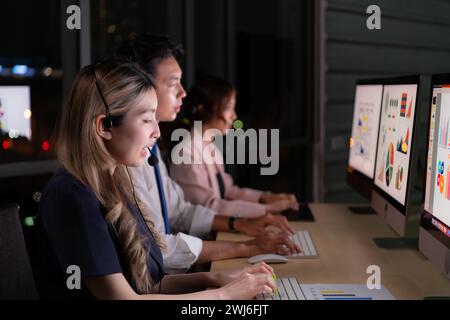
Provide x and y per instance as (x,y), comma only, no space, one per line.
(361,135)
(444,140)
(447,185)
(408,113)
(403,105)
(396,140)
(443,180)
(402,144)
(440,176)
(437,190)
(363,141)
(399,178)
(389,168)
(344,292)
(380,175)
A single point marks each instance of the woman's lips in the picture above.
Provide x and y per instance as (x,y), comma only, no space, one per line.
(144,150)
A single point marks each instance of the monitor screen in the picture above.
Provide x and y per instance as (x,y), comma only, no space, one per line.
(395,140)
(366,118)
(437,189)
(15,112)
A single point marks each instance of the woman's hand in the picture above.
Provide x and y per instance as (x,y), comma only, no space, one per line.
(257,226)
(225,277)
(248,285)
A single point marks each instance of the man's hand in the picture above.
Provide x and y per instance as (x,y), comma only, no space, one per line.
(271,243)
(257,226)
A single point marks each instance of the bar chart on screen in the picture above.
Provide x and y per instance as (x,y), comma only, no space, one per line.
(344,292)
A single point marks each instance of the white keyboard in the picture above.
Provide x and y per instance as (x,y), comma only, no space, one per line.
(304,241)
(288,289)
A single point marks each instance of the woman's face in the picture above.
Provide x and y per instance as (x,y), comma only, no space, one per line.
(139,130)
(224,120)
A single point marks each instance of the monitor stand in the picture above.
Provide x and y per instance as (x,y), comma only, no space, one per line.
(361,210)
(396,243)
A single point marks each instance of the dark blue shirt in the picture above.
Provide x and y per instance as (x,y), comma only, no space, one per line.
(73,220)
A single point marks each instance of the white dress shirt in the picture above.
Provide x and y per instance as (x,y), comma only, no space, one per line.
(188,222)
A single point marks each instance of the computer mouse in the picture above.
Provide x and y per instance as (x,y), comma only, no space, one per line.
(268,258)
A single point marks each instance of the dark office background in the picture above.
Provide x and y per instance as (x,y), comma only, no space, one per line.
(294,63)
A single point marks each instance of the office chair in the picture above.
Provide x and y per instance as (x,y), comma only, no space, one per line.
(16,280)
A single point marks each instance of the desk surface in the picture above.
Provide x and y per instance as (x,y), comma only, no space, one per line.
(345,246)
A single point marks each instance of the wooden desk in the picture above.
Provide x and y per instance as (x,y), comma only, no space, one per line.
(344,242)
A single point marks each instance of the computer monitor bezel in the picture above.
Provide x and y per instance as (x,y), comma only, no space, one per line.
(402,80)
(426,217)
(355,178)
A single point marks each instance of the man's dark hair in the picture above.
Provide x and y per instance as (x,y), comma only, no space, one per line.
(148,50)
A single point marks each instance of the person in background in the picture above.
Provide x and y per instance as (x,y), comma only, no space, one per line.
(212,101)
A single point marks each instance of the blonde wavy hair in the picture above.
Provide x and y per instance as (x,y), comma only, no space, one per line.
(83,153)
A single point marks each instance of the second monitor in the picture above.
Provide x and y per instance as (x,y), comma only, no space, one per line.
(396,160)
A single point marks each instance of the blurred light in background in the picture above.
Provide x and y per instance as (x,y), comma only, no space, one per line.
(45,145)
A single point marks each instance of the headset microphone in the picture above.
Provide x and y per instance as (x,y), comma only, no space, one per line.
(153,159)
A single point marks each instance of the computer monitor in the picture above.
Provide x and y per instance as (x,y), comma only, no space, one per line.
(434,235)
(396,157)
(363,141)
(28,110)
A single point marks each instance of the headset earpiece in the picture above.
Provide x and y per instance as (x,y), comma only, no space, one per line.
(107,123)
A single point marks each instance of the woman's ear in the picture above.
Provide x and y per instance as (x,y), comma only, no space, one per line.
(100,127)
